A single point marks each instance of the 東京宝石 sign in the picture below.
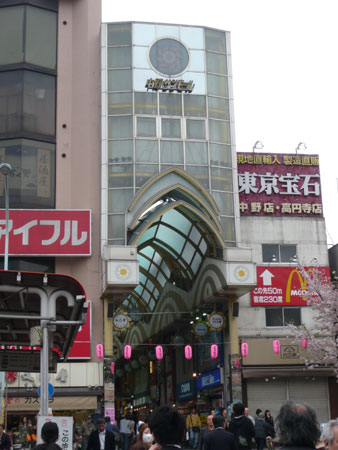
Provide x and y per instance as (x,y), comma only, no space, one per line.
(282,286)
(279,185)
(52,232)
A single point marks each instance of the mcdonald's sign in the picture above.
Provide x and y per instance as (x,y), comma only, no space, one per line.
(281,286)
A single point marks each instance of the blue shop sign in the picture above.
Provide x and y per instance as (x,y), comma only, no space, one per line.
(208,379)
(185,390)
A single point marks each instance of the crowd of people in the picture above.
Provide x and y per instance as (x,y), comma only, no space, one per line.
(296,428)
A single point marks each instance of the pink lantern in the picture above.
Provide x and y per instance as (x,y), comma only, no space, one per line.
(112,367)
(127,351)
(188,352)
(159,351)
(99,351)
(304,342)
(276,346)
(214,351)
(244,349)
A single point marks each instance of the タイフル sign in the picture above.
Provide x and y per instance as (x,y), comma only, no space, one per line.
(282,286)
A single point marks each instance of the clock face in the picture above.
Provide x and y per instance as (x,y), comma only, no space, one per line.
(169,57)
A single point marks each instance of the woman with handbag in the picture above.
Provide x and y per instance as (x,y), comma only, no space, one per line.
(193,424)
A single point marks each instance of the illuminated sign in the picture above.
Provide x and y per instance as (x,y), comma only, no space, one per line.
(279,184)
(160,84)
(281,286)
(47,232)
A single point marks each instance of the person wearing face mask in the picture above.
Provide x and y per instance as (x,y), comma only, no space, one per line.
(145,435)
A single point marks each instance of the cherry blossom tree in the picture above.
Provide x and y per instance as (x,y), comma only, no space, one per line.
(321,339)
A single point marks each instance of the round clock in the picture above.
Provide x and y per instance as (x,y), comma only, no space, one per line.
(169,57)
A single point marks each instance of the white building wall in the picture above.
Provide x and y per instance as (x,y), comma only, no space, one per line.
(310,237)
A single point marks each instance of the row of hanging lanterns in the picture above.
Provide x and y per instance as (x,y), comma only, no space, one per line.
(275,344)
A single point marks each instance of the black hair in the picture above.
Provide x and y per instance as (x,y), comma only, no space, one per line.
(238,409)
(50,432)
(258,411)
(297,425)
(218,421)
(107,419)
(167,425)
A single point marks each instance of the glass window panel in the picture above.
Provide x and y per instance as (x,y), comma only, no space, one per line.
(225,202)
(120,151)
(145,103)
(199,80)
(192,37)
(32,178)
(220,155)
(119,57)
(116,226)
(11,89)
(39,103)
(221,179)
(144,262)
(120,127)
(11,35)
(167,30)
(292,315)
(140,78)
(188,252)
(167,235)
(120,175)
(228,226)
(140,57)
(121,103)
(119,199)
(143,33)
(215,40)
(171,104)
(270,253)
(146,150)
(195,129)
(288,253)
(219,131)
(119,34)
(194,105)
(165,167)
(119,80)
(175,217)
(146,236)
(144,173)
(197,61)
(217,85)
(172,152)
(41,35)
(171,128)
(218,108)
(203,247)
(201,174)
(146,127)
(195,235)
(274,317)
(196,262)
(161,279)
(196,152)
(216,63)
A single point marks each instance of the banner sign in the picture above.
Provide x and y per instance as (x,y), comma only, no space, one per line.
(47,232)
(208,379)
(81,348)
(185,390)
(282,286)
(279,184)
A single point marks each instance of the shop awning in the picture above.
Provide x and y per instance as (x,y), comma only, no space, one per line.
(27,299)
(291,371)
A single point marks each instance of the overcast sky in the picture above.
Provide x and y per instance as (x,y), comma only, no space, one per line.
(285,73)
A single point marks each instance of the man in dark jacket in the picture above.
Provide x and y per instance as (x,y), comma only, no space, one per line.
(219,439)
(5,442)
(101,439)
(297,426)
(241,427)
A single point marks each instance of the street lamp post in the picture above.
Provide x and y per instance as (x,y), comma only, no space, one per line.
(5,170)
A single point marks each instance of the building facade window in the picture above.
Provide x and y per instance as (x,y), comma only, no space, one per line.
(279,253)
(281,317)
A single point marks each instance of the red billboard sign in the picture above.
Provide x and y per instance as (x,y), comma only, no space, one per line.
(281,286)
(43,232)
(279,184)
(81,348)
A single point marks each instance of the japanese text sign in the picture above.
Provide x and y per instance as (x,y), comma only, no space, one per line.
(47,232)
(81,348)
(65,425)
(279,184)
(281,286)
